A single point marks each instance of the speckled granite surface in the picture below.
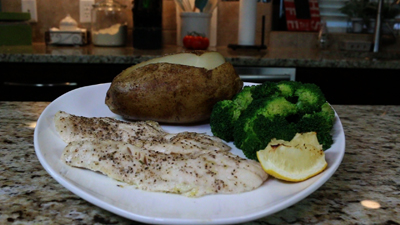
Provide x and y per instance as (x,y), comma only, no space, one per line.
(272,57)
(369,171)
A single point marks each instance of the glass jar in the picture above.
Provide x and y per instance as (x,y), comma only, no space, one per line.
(109,24)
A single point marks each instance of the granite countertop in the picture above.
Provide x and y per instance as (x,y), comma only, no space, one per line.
(369,171)
(272,57)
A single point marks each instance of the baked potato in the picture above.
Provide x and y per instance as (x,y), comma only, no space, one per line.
(179,88)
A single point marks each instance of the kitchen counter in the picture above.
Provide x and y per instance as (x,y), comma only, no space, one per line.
(369,173)
(272,57)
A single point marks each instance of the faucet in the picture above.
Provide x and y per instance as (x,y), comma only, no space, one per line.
(377,33)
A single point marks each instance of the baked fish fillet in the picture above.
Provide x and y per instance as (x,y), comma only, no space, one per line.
(73,128)
(144,134)
(193,174)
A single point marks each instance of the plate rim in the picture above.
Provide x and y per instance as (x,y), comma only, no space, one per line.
(146,219)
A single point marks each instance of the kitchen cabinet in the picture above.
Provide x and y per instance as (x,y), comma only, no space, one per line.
(47,81)
(354,86)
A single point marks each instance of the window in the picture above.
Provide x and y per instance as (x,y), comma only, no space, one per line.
(338,22)
(329,12)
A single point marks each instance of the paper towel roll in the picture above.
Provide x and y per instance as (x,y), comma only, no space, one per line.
(247,22)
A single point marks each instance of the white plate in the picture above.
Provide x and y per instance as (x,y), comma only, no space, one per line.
(162,208)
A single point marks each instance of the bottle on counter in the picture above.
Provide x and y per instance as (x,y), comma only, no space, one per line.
(278,16)
(109,24)
(147,24)
(323,36)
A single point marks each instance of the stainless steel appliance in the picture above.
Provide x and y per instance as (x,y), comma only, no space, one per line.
(262,74)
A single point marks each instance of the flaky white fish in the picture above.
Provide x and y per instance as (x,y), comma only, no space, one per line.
(192,174)
(75,128)
(144,134)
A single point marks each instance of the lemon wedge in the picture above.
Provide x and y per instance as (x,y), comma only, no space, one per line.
(295,161)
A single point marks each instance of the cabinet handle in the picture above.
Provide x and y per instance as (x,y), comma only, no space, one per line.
(261,78)
(63,84)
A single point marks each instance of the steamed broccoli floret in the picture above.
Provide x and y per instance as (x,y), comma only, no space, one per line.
(225,113)
(277,106)
(222,119)
(250,139)
(287,89)
(245,97)
(320,122)
(262,131)
(273,110)
(310,98)
(266,89)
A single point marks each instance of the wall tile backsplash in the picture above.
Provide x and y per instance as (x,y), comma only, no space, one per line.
(51,12)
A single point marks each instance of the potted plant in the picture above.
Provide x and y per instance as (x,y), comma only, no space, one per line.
(356,11)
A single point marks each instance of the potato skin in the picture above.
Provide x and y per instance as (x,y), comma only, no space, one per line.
(171,93)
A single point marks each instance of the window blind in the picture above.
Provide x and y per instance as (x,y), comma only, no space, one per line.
(330,13)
